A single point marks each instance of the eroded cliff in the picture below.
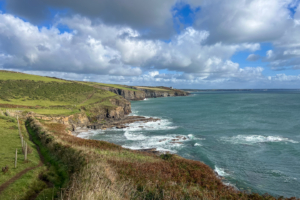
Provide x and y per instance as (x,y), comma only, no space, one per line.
(140,93)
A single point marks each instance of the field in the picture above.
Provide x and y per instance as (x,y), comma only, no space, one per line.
(155,89)
(109,85)
(10,141)
(48,96)
(9,75)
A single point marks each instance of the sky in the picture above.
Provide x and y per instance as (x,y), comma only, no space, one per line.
(195,44)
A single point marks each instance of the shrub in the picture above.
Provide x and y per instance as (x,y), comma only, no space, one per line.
(166,156)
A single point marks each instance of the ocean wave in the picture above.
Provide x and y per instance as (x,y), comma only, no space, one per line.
(162,124)
(89,133)
(191,136)
(169,143)
(198,145)
(221,171)
(253,139)
(134,136)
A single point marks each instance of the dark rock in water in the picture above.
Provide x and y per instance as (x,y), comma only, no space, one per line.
(162,140)
(176,142)
(120,127)
(181,137)
(122,123)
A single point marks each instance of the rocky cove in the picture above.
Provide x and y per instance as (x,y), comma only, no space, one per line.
(102,118)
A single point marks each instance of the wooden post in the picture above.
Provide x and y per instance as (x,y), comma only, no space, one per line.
(19,127)
(25,151)
(16,158)
(22,141)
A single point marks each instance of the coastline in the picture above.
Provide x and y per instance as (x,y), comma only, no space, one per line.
(123,124)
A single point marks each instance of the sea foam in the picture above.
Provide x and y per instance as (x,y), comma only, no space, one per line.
(220,171)
(253,139)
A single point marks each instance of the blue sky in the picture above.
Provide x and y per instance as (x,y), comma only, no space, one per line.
(183,43)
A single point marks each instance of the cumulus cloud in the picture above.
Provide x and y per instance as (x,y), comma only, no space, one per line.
(113,50)
(253,57)
(114,41)
(154,16)
(243,20)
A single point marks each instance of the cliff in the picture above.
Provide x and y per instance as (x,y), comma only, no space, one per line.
(127,94)
(140,93)
(153,93)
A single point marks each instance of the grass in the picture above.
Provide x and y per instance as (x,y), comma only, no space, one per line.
(56,174)
(20,189)
(10,75)
(10,141)
(110,85)
(155,89)
(48,96)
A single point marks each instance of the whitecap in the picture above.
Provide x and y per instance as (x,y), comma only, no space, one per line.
(253,139)
(220,171)
(89,133)
(198,145)
(164,143)
(162,124)
(134,135)
(191,136)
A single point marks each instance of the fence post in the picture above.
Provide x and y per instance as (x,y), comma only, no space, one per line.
(16,158)
(25,151)
(22,141)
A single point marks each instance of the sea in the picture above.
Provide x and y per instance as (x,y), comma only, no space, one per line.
(251,138)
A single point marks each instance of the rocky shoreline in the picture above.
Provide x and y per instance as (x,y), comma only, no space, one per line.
(115,123)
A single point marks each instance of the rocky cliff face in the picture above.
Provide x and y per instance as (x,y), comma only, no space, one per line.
(141,94)
(89,116)
(157,93)
(127,94)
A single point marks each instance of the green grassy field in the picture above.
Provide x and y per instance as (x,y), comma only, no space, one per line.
(10,141)
(109,85)
(49,96)
(7,75)
(155,89)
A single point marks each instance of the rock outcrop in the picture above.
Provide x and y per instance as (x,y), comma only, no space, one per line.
(127,94)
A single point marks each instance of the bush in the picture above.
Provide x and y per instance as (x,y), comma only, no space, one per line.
(166,156)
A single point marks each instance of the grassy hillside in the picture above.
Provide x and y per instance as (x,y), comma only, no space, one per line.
(48,96)
(9,75)
(122,87)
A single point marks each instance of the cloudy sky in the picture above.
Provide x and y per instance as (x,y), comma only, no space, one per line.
(180,43)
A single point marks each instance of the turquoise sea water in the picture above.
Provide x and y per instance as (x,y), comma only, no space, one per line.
(250,138)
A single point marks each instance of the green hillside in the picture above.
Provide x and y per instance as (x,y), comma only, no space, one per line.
(48,96)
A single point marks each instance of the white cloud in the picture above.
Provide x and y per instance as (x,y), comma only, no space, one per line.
(116,47)
(112,50)
(243,20)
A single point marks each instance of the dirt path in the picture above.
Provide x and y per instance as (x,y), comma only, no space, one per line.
(90,96)
(20,174)
(17,176)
